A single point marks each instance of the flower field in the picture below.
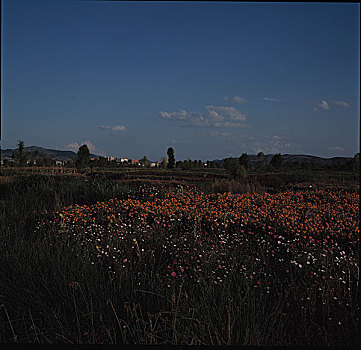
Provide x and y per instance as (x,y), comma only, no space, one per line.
(308,237)
(175,265)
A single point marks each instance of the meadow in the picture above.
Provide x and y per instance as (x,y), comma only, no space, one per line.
(103,260)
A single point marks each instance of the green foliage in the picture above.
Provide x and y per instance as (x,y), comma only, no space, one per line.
(19,155)
(164,163)
(237,170)
(171,158)
(356,163)
(83,157)
(277,161)
(244,160)
(144,161)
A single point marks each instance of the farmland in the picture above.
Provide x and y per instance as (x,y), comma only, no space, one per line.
(144,256)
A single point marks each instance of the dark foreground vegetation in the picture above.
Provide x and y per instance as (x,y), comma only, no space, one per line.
(145,259)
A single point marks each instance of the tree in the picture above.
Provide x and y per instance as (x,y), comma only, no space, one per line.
(260,160)
(164,162)
(232,165)
(144,161)
(171,159)
(277,161)
(20,155)
(244,160)
(83,157)
(356,163)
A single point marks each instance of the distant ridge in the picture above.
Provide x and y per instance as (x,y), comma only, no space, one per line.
(290,158)
(287,158)
(53,153)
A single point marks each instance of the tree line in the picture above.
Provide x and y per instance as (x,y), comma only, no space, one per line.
(238,167)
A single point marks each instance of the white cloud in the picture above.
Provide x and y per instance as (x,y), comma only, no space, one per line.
(271,144)
(220,134)
(181,115)
(336,148)
(240,100)
(119,128)
(324,105)
(215,116)
(74,146)
(228,125)
(113,128)
(105,127)
(271,99)
(341,103)
(231,112)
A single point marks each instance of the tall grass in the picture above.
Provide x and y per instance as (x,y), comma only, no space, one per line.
(53,292)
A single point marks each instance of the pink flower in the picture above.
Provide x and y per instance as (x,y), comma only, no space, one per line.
(125,260)
(173,273)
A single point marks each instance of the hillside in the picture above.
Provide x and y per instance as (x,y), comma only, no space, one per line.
(53,153)
(287,158)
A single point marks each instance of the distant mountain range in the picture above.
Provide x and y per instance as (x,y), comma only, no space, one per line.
(52,153)
(66,155)
(290,158)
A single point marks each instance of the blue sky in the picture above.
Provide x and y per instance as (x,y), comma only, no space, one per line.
(211,80)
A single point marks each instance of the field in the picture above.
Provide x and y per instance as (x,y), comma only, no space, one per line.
(182,257)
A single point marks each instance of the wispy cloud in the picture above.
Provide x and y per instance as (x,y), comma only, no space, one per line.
(341,103)
(231,112)
(184,116)
(271,99)
(240,100)
(116,128)
(74,146)
(336,148)
(215,116)
(228,125)
(269,144)
(324,105)
(119,128)
(220,134)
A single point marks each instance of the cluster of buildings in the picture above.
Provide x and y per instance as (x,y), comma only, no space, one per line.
(129,161)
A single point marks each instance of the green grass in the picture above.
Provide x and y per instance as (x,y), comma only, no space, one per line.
(51,292)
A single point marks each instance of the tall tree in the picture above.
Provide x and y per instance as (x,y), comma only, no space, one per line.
(171,159)
(277,161)
(144,161)
(244,160)
(356,163)
(260,159)
(83,157)
(19,154)
(164,162)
